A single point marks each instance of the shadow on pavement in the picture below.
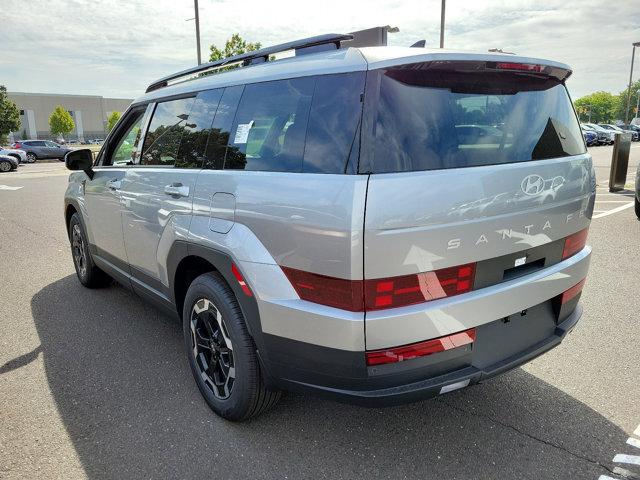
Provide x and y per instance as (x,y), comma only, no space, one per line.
(118,373)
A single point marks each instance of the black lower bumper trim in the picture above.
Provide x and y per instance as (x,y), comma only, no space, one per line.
(431,387)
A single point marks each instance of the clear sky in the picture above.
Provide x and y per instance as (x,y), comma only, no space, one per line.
(116,48)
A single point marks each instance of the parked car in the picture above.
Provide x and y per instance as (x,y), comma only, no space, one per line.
(19,155)
(632,129)
(605,136)
(590,137)
(254,233)
(614,129)
(40,149)
(8,163)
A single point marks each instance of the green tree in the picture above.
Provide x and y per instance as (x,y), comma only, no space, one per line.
(602,106)
(60,122)
(112,120)
(9,115)
(621,109)
(234,46)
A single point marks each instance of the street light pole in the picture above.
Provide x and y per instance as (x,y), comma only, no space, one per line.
(633,55)
(195,4)
(444,2)
(637,104)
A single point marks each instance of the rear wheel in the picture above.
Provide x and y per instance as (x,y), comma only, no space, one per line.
(31,157)
(5,166)
(88,273)
(221,352)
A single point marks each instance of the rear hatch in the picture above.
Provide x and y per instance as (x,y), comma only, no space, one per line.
(473,163)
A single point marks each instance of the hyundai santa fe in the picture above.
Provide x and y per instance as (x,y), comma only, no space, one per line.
(377,225)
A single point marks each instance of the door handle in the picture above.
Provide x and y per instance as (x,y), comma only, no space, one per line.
(114,184)
(177,190)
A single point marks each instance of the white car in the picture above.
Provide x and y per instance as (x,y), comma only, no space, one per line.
(19,155)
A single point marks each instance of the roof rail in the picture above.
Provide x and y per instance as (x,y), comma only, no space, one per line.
(256,56)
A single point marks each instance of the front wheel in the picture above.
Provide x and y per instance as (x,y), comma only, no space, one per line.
(5,166)
(221,352)
(88,273)
(31,157)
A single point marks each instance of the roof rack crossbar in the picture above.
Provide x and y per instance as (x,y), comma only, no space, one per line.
(247,58)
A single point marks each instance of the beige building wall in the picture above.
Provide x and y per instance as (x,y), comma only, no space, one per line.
(89,113)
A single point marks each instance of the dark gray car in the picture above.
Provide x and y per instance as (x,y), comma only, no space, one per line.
(8,163)
(39,149)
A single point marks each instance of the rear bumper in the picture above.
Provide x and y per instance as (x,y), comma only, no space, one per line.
(475,371)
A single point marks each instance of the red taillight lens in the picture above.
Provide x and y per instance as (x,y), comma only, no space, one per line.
(241,281)
(17,145)
(421,349)
(572,292)
(523,67)
(574,243)
(410,289)
(334,292)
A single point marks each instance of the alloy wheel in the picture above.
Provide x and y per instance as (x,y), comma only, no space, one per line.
(77,245)
(212,348)
(5,166)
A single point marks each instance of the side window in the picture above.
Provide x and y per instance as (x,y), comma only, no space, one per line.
(270,126)
(168,124)
(51,144)
(219,136)
(126,146)
(197,129)
(335,116)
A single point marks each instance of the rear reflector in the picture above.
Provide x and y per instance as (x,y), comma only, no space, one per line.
(411,289)
(240,279)
(572,292)
(574,243)
(421,349)
(523,67)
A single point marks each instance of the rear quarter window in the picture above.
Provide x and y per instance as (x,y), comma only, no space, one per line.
(426,120)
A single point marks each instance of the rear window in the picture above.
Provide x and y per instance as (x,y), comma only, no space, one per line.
(426,120)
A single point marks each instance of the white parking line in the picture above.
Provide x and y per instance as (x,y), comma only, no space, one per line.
(612,201)
(634,442)
(624,458)
(7,187)
(613,210)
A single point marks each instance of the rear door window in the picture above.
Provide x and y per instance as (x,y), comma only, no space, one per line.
(168,124)
(425,120)
(191,151)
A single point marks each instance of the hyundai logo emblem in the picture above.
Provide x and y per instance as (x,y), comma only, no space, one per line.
(532,185)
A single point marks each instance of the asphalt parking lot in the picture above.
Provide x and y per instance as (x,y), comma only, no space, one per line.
(94,384)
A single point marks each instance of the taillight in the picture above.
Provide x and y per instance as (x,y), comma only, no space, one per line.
(241,281)
(334,292)
(381,293)
(17,145)
(574,243)
(571,293)
(421,349)
(522,67)
(410,289)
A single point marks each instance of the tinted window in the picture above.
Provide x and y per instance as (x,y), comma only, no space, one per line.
(424,120)
(197,128)
(168,124)
(270,126)
(222,123)
(333,122)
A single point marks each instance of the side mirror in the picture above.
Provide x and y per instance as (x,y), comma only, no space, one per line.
(80,160)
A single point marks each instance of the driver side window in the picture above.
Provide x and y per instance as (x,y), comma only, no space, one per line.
(127,146)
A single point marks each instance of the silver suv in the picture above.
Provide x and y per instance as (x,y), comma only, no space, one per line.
(377,224)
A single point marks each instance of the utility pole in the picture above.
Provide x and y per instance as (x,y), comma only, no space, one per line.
(444,2)
(195,4)
(637,104)
(633,55)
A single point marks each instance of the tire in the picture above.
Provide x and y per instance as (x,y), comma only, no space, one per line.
(31,157)
(636,204)
(221,353)
(5,166)
(88,273)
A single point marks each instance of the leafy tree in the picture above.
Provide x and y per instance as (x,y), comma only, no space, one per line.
(112,120)
(602,105)
(60,122)
(621,109)
(234,46)
(9,115)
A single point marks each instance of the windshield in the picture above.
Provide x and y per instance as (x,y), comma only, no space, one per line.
(424,119)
